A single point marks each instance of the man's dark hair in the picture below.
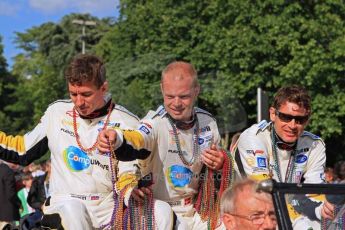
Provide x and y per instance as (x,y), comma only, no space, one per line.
(85,68)
(295,94)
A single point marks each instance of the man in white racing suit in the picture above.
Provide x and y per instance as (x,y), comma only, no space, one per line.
(282,150)
(174,143)
(81,181)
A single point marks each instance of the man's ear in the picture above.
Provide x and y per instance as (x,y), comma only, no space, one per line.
(229,221)
(272,114)
(105,87)
(162,89)
(197,90)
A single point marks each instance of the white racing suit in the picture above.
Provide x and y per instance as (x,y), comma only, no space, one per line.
(80,183)
(254,158)
(173,181)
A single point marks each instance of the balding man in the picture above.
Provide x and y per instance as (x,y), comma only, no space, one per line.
(243,207)
(179,145)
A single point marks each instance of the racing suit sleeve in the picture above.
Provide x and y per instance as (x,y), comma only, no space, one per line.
(25,149)
(251,156)
(131,148)
(135,144)
(314,172)
(305,206)
(128,178)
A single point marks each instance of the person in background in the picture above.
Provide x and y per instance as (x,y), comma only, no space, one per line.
(329,175)
(337,202)
(243,207)
(37,195)
(36,169)
(9,202)
(23,194)
(40,190)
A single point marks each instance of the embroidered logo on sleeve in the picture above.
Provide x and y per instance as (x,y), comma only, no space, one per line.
(144,129)
(261,162)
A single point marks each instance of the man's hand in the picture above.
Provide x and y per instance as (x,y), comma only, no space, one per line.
(327,210)
(106,138)
(139,194)
(213,158)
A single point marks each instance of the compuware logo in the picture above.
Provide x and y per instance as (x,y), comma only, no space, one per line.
(179,176)
(76,160)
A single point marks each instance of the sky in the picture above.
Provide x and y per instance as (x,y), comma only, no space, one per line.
(20,15)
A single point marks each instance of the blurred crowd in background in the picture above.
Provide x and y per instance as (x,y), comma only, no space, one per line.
(23,191)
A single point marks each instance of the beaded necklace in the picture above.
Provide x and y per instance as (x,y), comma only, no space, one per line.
(195,142)
(136,215)
(141,215)
(291,165)
(207,202)
(338,222)
(114,169)
(77,137)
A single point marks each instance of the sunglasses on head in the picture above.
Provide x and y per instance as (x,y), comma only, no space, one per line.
(287,118)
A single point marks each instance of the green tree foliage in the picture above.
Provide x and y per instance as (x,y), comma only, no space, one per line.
(236,47)
(6,79)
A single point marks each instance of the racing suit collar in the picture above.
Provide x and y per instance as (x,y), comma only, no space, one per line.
(99,112)
(184,125)
(282,144)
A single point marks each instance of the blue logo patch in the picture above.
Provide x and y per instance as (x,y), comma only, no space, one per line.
(205,129)
(76,159)
(261,161)
(144,129)
(201,141)
(179,176)
(301,158)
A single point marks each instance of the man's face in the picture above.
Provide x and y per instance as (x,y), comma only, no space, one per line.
(27,182)
(288,129)
(179,97)
(249,207)
(87,97)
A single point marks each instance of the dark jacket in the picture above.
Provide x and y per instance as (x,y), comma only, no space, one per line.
(37,193)
(9,202)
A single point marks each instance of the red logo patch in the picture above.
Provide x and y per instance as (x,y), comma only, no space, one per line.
(259,152)
(148,125)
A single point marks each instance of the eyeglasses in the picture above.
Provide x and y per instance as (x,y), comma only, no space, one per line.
(257,219)
(287,118)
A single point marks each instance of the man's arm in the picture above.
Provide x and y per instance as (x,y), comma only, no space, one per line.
(25,149)
(316,164)
(252,155)
(16,156)
(128,145)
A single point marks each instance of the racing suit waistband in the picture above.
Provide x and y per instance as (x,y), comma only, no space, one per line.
(182,202)
(84,196)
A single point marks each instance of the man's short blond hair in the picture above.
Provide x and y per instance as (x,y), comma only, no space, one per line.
(180,70)
(231,196)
